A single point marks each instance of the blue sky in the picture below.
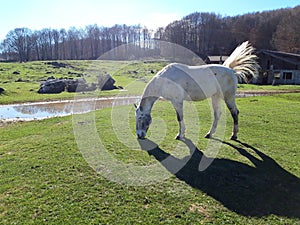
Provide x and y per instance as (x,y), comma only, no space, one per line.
(56,14)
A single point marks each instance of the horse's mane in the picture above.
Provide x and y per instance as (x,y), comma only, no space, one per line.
(243,61)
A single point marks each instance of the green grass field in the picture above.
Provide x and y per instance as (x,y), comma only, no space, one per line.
(45,179)
(23,86)
(91,169)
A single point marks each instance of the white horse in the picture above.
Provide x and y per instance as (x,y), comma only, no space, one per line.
(178,82)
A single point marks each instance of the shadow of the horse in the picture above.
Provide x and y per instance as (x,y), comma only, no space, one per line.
(259,190)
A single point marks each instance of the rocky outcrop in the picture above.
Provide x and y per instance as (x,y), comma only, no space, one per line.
(79,85)
(57,64)
(55,86)
(106,82)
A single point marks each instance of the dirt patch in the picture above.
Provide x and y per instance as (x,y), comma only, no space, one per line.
(4,123)
(58,64)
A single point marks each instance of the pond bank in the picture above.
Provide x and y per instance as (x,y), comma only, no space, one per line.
(44,110)
(252,93)
(49,109)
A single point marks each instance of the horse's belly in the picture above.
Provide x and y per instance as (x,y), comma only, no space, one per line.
(198,91)
(198,95)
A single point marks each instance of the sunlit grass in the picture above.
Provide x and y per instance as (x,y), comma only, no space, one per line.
(21,81)
(45,179)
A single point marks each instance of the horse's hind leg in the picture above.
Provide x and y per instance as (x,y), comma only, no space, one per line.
(179,112)
(234,113)
(217,112)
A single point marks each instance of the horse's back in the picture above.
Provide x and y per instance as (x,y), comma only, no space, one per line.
(200,82)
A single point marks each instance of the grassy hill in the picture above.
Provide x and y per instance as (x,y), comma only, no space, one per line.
(21,81)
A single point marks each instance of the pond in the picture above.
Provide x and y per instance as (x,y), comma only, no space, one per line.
(43,110)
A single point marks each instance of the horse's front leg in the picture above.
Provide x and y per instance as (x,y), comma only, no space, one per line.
(179,112)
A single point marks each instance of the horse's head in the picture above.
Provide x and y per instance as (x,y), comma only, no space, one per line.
(143,121)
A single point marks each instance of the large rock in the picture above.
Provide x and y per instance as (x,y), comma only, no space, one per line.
(54,86)
(106,82)
(77,85)
(70,85)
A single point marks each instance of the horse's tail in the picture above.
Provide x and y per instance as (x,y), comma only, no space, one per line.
(243,62)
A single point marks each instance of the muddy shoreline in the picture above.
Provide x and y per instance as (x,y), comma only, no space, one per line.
(43,110)
(263,92)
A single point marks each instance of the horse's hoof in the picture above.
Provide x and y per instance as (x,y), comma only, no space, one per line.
(179,137)
(208,135)
(233,137)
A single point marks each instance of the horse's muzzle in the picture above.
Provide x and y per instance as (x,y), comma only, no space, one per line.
(141,136)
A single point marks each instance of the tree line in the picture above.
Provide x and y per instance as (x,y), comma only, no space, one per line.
(24,44)
(212,34)
(203,33)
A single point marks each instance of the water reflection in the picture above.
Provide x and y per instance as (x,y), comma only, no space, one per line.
(30,111)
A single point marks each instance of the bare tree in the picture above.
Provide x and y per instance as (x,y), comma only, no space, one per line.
(19,41)
(63,44)
(55,35)
(93,40)
(73,40)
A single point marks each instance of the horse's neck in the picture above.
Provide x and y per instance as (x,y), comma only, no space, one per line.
(147,103)
(150,95)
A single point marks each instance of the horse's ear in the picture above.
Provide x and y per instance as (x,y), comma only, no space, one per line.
(140,107)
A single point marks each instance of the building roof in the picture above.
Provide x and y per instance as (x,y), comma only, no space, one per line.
(284,56)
